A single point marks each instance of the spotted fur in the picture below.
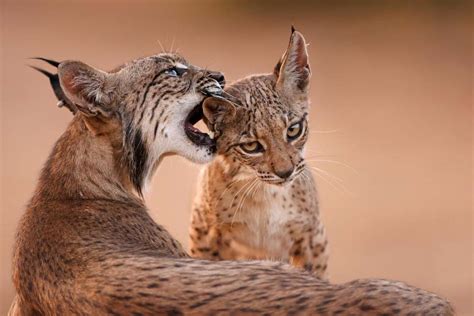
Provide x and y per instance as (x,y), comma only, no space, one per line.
(262,205)
(86,244)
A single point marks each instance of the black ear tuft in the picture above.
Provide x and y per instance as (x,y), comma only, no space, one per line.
(54,81)
(44,72)
(277,68)
(49,61)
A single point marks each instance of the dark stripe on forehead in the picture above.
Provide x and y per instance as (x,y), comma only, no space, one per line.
(162,58)
(148,88)
(171,58)
(150,84)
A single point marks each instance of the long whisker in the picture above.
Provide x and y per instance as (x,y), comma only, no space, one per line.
(325,132)
(244,196)
(161,46)
(247,186)
(317,152)
(257,187)
(237,193)
(239,205)
(308,178)
(333,161)
(172,44)
(228,187)
(327,181)
(336,182)
(337,179)
(308,175)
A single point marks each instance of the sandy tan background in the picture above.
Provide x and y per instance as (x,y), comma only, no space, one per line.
(392,98)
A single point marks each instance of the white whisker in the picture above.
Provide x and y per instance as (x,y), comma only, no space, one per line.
(333,161)
(247,188)
(228,187)
(325,132)
(328,182)
(237,193)
(335,181)
(161,46)
(172,44)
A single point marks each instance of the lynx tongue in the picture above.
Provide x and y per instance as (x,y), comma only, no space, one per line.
(194,134)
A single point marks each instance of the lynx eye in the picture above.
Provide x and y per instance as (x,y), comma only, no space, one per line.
(252,147)
(294,131)
(176,71)
(172,72)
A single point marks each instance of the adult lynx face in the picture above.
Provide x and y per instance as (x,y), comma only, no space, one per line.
(154,100)
(263,125)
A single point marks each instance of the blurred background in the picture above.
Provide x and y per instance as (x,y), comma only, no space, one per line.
(391,117)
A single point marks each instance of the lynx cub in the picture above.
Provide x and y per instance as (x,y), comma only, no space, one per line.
(258,200)
(87,245)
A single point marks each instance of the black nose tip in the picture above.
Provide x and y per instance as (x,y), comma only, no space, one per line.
(218,76)
(284,174)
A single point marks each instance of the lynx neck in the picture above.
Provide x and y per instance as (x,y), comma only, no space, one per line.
(86,165)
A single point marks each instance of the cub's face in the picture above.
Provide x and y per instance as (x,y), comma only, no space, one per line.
(262,123)
(266,134)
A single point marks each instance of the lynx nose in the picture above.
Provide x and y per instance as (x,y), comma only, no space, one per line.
(284,174)
(218,76)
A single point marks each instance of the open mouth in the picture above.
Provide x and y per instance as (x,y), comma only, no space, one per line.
(195,135)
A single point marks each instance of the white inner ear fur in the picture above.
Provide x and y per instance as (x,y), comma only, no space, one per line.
(92,87)
(84,85)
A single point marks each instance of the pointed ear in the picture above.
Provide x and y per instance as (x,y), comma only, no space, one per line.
(293,71)
(85,86)
(217,110)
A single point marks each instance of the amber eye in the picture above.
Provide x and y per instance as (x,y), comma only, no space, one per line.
(294,131)
(252,147)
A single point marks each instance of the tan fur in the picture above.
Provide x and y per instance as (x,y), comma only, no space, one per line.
(244,209)
(87,246)
(244,219)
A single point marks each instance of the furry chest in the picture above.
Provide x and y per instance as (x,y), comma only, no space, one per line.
(267,230)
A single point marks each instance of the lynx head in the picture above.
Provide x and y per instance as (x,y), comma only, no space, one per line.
(263,123)
(153,102)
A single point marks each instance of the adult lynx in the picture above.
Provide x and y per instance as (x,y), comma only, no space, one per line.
(87,246)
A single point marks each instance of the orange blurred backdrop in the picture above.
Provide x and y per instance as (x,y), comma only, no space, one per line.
(391,115)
